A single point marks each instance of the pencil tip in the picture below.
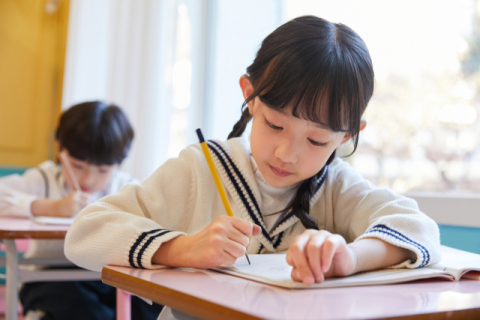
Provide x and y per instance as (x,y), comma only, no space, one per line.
(246,255)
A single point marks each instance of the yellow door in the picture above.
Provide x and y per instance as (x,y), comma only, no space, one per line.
(33,37)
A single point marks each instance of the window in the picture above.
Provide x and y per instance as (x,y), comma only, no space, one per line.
(423,131)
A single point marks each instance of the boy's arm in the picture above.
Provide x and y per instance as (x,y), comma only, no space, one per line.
(18,192)
(63,208)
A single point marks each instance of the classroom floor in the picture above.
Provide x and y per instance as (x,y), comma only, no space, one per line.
(2,304)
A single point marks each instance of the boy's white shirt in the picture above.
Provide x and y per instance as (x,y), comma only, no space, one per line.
(17,192)
(180,197)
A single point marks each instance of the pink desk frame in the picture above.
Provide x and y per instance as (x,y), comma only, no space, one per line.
(209,295)
(15,228)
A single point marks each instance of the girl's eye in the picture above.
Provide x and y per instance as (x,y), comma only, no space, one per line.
(274,127)
(77,166)
(317,144)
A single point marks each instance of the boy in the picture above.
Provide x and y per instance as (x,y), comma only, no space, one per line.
(94,138)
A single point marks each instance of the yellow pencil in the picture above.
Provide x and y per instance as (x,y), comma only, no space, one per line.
(216,178)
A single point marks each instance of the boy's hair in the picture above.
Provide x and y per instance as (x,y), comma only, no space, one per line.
(324,72)
(95,132)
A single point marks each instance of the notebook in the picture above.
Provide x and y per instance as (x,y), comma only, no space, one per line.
(54,220)
(273,269)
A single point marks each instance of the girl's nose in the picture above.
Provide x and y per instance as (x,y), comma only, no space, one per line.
(287,151)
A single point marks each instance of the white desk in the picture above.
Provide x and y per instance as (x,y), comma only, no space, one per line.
(15,228)
(209,295)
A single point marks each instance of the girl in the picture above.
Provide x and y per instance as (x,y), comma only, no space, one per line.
(94,138)
(306,92)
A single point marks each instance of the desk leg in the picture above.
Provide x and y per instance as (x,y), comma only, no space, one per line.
(123,305)
(12,280)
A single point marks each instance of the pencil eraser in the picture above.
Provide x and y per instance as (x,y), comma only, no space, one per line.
(200,135)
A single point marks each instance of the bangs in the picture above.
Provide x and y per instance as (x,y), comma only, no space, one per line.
(322,91)
(319,70)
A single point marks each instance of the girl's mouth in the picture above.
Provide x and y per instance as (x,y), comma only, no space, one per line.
(279,172)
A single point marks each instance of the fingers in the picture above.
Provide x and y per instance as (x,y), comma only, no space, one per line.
(256,230)
(82,202)
(236,234)
(242,231)
(245,227)
(82,196)
(239,237)
(312,253)
(297,258)
(234,249)
(329,249)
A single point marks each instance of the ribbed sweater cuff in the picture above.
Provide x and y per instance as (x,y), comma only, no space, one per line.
(145,244)
(387,234)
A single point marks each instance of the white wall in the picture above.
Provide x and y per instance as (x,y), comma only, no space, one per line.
(449,209)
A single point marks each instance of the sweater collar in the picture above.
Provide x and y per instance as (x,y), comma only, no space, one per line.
(232,160)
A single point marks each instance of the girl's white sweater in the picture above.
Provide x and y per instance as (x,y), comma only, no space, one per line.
(180,197)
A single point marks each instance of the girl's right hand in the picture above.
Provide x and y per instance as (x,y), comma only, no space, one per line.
(223,241)
(64,208)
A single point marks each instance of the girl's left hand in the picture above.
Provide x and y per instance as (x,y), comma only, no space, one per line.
(316,255)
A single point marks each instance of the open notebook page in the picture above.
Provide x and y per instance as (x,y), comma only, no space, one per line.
(458,262)
(273,269)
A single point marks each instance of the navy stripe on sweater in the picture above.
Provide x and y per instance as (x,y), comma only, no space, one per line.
(240,176)
(146,244)
(381,228)
(137,242)
(242,196)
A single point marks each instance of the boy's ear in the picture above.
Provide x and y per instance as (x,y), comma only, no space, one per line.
(247,90)
(348,136)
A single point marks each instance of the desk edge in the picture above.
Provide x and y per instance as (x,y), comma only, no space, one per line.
(175,299)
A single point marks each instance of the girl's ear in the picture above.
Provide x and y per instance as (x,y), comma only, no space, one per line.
(247,90)
(348,136)
(363,124)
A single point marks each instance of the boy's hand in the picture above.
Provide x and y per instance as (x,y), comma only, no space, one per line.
(71,204)
(316,255)
(223,241)
(64,208)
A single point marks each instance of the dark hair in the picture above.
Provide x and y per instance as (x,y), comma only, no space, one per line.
(95,132)
(324,72)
